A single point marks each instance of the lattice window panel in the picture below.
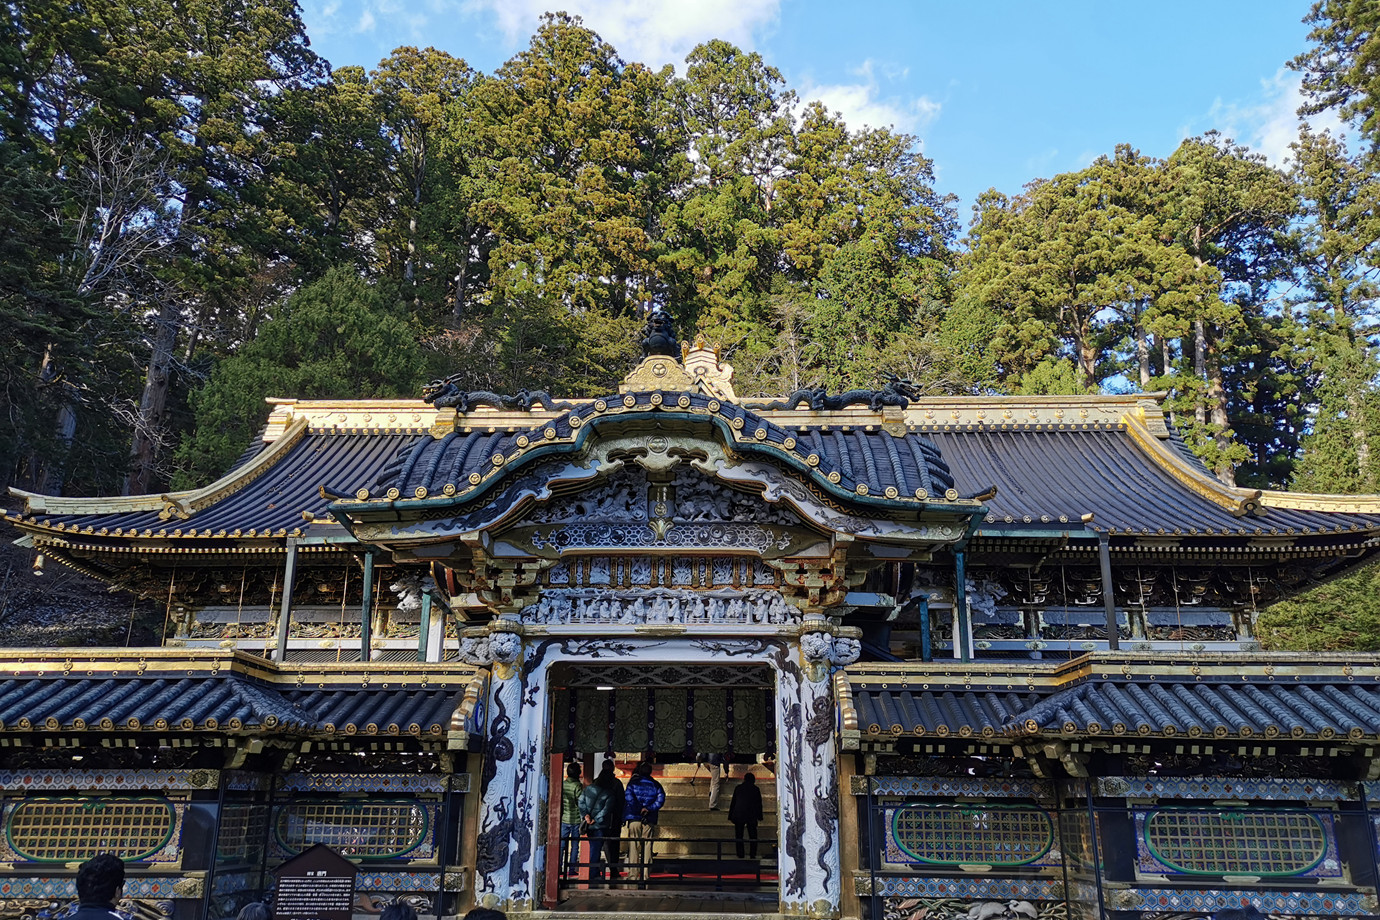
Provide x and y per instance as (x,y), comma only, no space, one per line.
(1194,841)
(943,835)
(75,828)
(243,826)
(374,829)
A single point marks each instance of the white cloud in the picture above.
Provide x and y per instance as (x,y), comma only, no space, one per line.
(366,21)
(1272,124)
(654,32)
(864,104)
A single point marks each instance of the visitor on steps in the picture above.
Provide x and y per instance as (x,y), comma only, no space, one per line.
(571,820)
(596,814)
(716,776)
(605,838)
(745,811)
(643,801)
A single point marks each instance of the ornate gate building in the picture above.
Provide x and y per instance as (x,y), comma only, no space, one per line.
(989,657)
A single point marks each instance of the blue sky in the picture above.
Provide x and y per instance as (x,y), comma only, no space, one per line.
(997,92)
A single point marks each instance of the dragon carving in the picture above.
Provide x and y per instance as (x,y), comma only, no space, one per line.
(446,394)
(898,391)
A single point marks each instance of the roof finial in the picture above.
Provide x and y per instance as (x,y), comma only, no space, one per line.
(659,335)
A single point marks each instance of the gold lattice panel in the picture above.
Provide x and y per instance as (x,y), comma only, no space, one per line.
(1204,842)
(982,835)
(71,829)
(367,830)
(242,829)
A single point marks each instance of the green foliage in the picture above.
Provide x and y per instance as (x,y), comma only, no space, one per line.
(338,337)
(1341,615)
(528,217)
(1340,71)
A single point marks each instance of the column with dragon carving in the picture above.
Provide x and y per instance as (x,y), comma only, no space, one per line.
(502,876)
(808,788)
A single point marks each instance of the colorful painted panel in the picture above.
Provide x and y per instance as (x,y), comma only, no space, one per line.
(1226,787)
(1271,843)
(64,887)
(396,783)
(953,836)
(75,828)
(1273,903)
(108,780)
(366,829)
(951,786)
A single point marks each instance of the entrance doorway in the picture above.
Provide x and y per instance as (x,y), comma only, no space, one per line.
(690,722)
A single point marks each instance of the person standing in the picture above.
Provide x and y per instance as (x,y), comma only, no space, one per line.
(716,778)
(571,822)
(100,882)
(745,811)
(608,780)
(595,803)
(643,800)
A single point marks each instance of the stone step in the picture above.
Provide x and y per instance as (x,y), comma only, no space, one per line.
(699,801)
(701,816)
(665,771)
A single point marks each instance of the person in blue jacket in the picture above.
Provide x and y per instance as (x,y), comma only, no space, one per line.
(642,805)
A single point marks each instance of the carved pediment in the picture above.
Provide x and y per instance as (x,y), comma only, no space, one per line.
(690,497)
(684,508)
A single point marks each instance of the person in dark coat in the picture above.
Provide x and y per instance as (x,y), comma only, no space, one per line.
(100,882)
(745,811)
(601,804)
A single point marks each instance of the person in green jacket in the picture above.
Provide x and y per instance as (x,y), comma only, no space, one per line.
(570,818)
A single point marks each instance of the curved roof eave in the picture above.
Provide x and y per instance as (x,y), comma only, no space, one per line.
(733,436)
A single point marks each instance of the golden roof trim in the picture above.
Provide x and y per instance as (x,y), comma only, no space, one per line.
(349,415)
(1318,501)
(189,662)
(1239,502)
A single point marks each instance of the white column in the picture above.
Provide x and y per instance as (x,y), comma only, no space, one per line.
(807,788)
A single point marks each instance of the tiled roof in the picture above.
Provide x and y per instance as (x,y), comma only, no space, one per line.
(865,455)
(221,702)
(930,712)
(272,504)
(1221,709)
(1296,697)
(1044,477)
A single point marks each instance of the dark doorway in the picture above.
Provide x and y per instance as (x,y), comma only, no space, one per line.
(690,721)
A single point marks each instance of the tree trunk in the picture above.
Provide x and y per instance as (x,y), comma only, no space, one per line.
(1199,369)
(49,472)
(462,276)
(1217,407)
(1142,349)
(1360,434)
(153,403)
(1087,356)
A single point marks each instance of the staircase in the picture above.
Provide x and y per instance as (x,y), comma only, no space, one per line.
(689,830)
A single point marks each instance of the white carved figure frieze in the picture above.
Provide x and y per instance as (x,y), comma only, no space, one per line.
(698,498)
(659,607)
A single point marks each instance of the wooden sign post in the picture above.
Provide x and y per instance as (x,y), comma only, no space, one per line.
(316,884)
